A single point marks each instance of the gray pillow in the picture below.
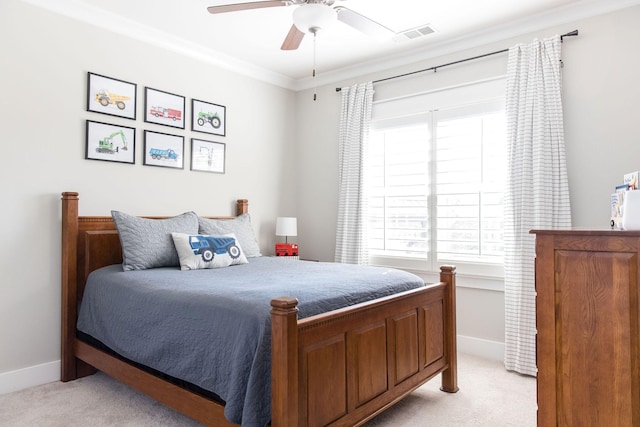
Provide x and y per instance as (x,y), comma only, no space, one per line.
(240,226)
(147,243)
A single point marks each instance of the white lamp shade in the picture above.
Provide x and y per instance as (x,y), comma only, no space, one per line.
(312,17)
(286,226)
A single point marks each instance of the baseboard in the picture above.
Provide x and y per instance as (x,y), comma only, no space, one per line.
(478,347)
(29,377)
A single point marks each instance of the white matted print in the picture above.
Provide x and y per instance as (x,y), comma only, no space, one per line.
(163,108)
(110,142)
(208,117)
(161,149)
(207,156)
(111,96)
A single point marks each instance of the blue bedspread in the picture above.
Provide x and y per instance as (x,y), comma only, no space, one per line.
(212,327)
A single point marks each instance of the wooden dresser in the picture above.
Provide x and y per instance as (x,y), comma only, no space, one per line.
(588,342)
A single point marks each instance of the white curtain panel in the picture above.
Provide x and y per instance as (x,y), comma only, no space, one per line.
(355,118)
(537,191)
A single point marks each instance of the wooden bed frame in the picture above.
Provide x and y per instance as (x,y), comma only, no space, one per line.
(339,368)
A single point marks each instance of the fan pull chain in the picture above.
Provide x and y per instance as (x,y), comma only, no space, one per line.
(315,88)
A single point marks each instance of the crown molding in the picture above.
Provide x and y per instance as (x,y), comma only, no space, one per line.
(92,15)
(559,16)
(81,11)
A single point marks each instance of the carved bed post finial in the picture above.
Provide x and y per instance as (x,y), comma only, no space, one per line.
(242,206)
(284,362)
(450,375)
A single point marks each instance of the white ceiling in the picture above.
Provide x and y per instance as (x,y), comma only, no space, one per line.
(249,41)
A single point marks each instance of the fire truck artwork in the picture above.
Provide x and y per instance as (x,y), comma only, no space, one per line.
(286,249)
(168,113)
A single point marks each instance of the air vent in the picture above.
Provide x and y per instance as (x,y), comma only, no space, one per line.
(414,33)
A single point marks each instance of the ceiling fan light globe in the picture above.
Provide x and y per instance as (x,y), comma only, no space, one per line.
(312,17)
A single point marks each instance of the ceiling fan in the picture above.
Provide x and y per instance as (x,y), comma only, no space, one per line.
(311,16)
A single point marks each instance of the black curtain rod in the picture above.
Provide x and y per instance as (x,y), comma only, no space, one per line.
(435,68)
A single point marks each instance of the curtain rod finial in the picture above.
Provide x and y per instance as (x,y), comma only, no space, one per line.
(569,34)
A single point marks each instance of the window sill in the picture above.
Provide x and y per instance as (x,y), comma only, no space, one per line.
(468,275)
(471,281)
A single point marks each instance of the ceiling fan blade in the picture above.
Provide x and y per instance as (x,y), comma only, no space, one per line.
(363,24)
(246,6)
(293,39)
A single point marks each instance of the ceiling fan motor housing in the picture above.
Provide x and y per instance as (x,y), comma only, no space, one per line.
(312,17)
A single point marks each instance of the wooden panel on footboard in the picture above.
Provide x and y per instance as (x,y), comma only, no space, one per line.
(355,362)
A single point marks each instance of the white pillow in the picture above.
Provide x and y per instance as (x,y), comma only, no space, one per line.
(198,251)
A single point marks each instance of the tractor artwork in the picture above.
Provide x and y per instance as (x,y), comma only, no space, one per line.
(211,118)
(106,98)
(106,145)
(209,247)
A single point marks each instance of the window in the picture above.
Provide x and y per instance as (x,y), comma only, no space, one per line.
(435,181)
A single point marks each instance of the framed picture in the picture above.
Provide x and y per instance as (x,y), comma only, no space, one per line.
(208,118)
(161,149)
(163,108)
(207,156)
(111,96)
(112,143)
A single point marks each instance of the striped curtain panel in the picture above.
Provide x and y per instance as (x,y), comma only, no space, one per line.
(537,191)
(355,117)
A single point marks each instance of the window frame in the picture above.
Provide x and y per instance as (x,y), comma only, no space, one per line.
(404,111)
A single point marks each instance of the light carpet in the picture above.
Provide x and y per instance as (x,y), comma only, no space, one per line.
(489,396)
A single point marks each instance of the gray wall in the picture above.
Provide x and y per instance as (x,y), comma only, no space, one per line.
(45,62)
(600,94)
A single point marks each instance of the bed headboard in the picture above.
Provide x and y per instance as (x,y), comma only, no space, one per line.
(88,243)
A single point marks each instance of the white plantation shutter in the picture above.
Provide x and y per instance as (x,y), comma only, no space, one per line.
(470,162)
(399,179)
(436,179)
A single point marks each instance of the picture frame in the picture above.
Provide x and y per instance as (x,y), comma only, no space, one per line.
(208,117)
(113,97)
(108,142)
(208,156)
(164,150)
(164,108)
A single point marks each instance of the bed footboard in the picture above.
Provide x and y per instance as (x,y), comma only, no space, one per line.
(344,367)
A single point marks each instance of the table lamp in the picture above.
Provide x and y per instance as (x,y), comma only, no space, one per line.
(286,226)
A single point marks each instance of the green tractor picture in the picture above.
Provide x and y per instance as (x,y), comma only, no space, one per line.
(211,118)
(107,145)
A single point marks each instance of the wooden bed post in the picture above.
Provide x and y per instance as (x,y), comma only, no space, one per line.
(69,284)
(242,206)
(450,375)
(284,362)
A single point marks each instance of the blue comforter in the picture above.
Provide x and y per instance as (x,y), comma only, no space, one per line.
(212,327)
